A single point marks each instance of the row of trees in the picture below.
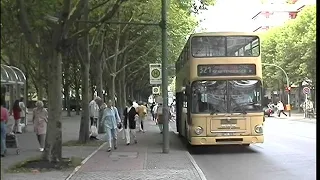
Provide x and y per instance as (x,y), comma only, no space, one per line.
(292,47)
(71,45)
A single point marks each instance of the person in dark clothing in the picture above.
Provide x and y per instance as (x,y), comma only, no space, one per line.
(153,113)
(129,122)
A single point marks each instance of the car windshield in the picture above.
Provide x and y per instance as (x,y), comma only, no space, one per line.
(226,96)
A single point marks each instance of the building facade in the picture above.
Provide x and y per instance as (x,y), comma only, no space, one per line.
(272,15)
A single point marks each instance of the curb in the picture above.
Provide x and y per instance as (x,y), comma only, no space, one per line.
(194,163)
(84,161)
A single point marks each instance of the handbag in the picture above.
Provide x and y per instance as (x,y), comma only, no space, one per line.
(94,131)
(119,125)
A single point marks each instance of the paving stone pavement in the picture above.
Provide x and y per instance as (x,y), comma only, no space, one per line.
(142,161)
(29,148)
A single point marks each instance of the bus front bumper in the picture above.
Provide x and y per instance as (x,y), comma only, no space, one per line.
(225,140)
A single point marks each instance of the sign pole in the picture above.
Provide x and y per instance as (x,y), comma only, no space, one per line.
(165,147)
(305,106)
(306,91)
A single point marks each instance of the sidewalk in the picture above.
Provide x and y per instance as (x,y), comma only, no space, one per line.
(295,116)
(142,161)
(29,148)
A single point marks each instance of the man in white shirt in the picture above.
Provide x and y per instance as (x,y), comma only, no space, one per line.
(94,111)
(280,108)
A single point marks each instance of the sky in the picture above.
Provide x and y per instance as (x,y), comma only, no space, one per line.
(230,15)
(235,15)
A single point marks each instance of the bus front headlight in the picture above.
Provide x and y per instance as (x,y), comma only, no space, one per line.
(198,130)
(258,129)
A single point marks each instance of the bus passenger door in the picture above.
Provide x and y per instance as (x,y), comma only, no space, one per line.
(188,98)
(179,106)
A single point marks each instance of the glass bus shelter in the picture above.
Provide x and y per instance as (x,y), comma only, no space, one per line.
(13,85)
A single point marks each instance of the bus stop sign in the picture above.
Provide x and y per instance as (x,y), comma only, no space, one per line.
(306,90)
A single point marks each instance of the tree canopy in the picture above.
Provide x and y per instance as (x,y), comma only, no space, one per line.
(292,47)
(74,48)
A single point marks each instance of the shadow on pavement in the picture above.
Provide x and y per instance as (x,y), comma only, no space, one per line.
(221,149)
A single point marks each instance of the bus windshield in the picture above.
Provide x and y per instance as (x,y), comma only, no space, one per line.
(226,96)
(209,97)
(225,46)
(244,95)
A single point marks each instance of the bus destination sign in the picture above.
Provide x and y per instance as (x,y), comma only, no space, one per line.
(226,69)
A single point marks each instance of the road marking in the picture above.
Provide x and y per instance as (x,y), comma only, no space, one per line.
(84,161)
(195,165)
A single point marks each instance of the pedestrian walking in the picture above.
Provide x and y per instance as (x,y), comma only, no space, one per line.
(4,121)
(16,112)
(111,120)
(23,111)
(94,115)
(280,108)
(142,113)
(40,121)
(154,109)
(129,122)
(159,117)
(152,112)
(94,111)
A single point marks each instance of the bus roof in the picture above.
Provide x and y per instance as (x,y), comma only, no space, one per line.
(225,34)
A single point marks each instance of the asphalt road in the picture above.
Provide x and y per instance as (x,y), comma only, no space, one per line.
(288,153)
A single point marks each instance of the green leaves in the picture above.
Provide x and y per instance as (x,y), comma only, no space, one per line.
(292,47)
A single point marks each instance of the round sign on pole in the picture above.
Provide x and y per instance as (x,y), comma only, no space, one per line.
(155,73)
(155,90)
(306,90)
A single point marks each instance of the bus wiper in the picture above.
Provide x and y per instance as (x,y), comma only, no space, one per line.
(238,105)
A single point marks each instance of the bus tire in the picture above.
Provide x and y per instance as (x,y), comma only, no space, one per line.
(245,144)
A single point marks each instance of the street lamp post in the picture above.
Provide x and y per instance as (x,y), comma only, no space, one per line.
(288,82)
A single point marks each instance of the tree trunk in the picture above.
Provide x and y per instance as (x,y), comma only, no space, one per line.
(67,98)
(92,89)
(2,173)
(131,92)
(114,65)
(85,73)
(124,88)
(99,81)
(120,96)
(53,147)
(77,98)
(84,125)
(113,89)
(99,69)
(40,83)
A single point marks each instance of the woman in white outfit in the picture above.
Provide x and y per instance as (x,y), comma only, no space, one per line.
(23,112)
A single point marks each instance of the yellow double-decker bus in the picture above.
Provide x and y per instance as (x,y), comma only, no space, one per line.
(219,89)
